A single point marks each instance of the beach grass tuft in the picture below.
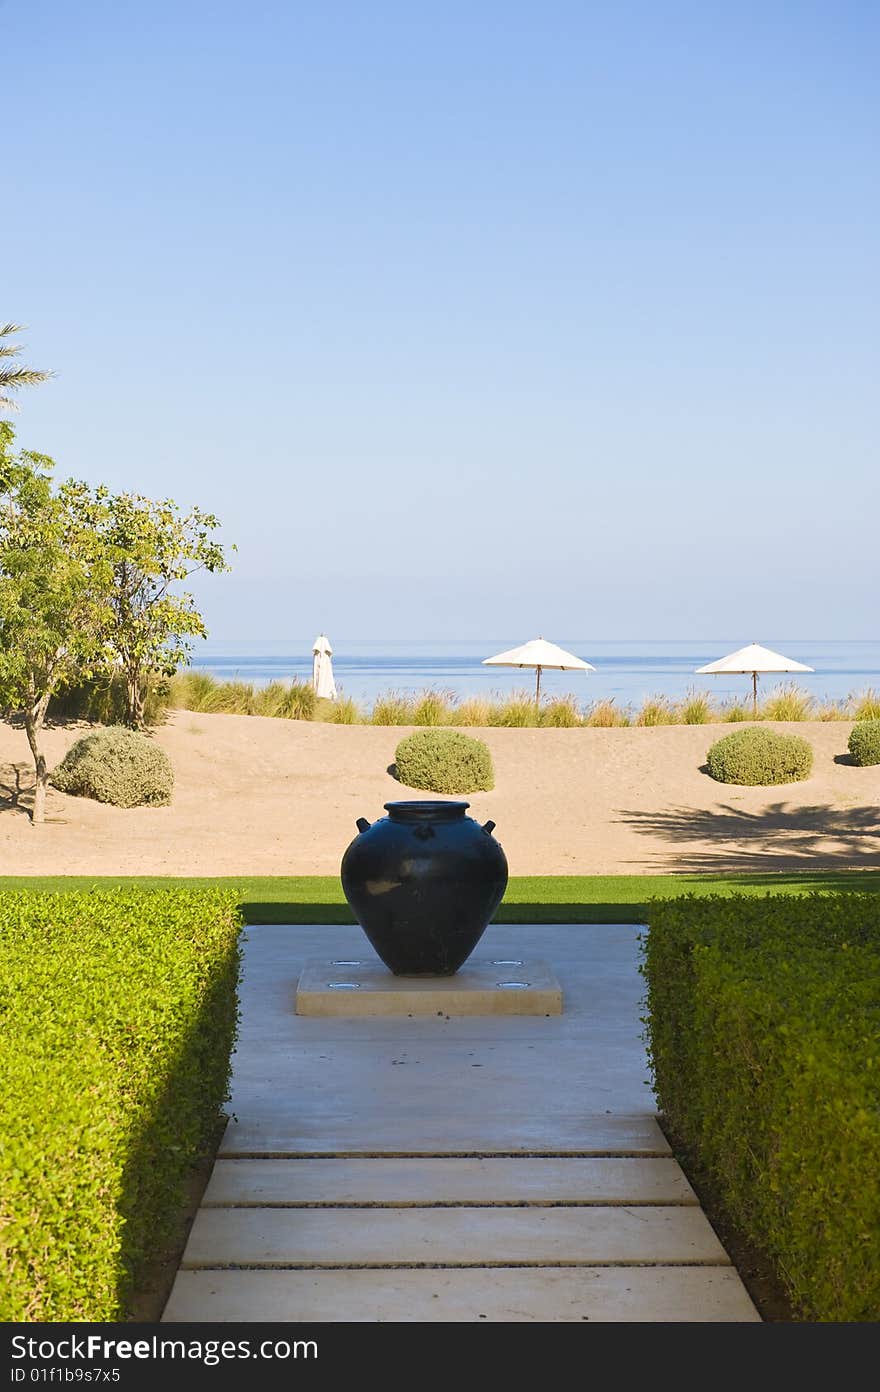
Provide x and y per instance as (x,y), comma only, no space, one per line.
(433,708)
(865,705)
(203,693)
(475,711)
(393,708)
(656,710)
(344,711)
(695,709)
(562,713)
(787,702)
(735,712)
(518,711)
(602,715)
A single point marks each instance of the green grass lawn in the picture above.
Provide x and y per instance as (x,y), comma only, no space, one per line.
(529,898)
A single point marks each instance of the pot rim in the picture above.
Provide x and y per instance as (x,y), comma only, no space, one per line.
(421,809)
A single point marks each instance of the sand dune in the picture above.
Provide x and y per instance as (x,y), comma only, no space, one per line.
(276,797)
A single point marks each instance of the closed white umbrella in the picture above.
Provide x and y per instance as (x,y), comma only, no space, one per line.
(753,659)
(538,653)
(322,668)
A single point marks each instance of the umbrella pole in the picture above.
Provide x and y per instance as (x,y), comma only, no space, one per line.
(755,695)
(537,686)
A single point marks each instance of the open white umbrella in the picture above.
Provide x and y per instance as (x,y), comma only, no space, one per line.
(322,668)
(538,653)
(753,659)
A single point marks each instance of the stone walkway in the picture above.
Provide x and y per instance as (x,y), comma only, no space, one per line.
(450,1169)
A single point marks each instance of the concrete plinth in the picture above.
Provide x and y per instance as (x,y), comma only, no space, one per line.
(487,986)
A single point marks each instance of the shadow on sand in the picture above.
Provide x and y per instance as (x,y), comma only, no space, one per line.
(776,838)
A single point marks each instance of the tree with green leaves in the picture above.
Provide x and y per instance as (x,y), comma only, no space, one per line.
(54,592)
(14,378)
(152,547)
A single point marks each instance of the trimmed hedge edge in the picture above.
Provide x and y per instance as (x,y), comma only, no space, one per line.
(764,1042)
(119,1014)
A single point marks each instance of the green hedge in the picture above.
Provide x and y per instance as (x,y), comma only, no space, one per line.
(759,757)
(119,1013)
(864,742)
(444,761)
(764,1038)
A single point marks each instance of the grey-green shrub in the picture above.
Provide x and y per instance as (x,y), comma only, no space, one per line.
(118,766)
(444,761)
(119,1013)
(864,742)
(756,756)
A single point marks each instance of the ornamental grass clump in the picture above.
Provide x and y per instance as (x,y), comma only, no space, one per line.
(657,710)
(433,708)
(343,711)
(475,711)
(787,702)
(118,766)
(444,761)
(295,700)
(104,701)
(518,711)
(392,708)
(735,713)
(695,709)
(864,743)
(758,757)
(866,705)
(604,715)
(562,713)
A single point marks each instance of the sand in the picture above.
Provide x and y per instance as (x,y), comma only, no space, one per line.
(256,796)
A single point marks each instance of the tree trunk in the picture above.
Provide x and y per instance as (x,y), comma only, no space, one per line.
(34,717)
(135,698)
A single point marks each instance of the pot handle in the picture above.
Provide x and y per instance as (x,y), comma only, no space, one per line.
(362,824)
(488,827)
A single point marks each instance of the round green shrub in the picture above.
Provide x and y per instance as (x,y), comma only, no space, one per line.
(444,761)
(118,766)
(759,756)
(864,742)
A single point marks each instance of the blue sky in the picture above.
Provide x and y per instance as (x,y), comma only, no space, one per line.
(467,319)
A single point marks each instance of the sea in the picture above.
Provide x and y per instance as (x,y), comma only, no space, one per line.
(628,671)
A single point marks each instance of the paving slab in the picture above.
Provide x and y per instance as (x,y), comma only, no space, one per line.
(317,1075)
(457,1236)
(520,1153)
(415,1128)
(359,987)
(609,1294)
(397,1182)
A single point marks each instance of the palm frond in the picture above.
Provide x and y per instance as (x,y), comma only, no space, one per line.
(12,378)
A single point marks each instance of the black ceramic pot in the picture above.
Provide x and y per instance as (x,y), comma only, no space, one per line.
(423,883)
